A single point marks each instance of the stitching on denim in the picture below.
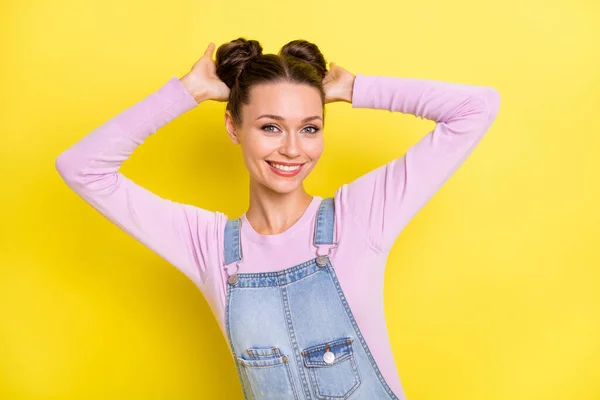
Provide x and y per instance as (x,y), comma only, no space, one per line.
(355,384)
(360,336)
(250,388)
(321,227)
(293,342)
(277,277)
(232,246)
(227,316)
(346,341)
(291,378)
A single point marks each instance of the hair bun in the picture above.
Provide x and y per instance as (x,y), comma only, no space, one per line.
(307,52)
(232,57)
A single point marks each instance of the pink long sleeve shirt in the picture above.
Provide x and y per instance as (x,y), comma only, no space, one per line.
(370,212)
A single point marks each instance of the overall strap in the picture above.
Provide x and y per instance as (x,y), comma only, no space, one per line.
(233,245)
(325,223)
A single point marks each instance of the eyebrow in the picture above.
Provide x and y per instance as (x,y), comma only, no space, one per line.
(277,117)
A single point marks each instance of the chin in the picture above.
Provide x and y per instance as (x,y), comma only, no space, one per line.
(284,187)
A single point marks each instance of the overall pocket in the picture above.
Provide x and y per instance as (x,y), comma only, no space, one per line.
(332,368)
(267,374)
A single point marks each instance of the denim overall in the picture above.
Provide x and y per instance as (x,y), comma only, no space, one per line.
(292,333)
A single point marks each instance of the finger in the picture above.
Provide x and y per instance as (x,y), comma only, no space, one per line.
(209,49)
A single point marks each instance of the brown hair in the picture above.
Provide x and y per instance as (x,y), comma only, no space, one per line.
(241,65)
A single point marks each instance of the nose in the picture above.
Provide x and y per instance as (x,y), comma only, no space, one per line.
(290,146)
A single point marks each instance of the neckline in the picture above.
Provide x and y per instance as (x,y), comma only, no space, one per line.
(249,232)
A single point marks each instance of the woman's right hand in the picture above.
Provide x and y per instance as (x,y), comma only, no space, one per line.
(202,81)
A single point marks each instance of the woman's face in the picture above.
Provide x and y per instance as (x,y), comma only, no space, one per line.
(281,134)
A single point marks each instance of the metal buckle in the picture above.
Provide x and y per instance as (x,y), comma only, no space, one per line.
(323,259)
(233,278)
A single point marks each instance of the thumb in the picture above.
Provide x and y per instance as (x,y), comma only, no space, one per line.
(328,77)
(210,49)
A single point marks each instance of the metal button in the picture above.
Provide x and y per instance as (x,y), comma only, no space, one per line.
(233,279)
(328,357)
(322,261)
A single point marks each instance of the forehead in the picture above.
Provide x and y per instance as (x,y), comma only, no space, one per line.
(293,102)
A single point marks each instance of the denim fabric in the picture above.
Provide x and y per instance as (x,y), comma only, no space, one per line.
(233,248)
(324,233)
(292,333)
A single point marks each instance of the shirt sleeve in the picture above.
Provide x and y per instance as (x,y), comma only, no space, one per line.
(179,233)
(383,201)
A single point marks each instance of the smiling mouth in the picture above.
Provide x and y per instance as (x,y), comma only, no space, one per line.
(285,169)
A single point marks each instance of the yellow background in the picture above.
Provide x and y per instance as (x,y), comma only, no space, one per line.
(491,290)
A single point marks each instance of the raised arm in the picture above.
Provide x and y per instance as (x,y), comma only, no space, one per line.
(177,232)
(384,200)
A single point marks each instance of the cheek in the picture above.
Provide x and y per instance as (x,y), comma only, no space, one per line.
(257,147)
(314,149)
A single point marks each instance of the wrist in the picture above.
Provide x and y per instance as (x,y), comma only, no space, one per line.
(191,86)
(351,90)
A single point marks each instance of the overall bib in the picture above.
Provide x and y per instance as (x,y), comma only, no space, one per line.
(292,333)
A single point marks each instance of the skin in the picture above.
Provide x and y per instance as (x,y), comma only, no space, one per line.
(276,202)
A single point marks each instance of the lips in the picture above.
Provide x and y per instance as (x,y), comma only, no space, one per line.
(285,169)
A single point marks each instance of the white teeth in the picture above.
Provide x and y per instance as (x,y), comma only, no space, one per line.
(285,168)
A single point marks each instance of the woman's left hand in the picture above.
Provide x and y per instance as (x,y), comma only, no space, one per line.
(338,84)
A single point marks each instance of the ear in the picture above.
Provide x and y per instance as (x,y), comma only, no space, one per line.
(231,129)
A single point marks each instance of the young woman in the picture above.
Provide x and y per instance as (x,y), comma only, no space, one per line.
(296,283)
